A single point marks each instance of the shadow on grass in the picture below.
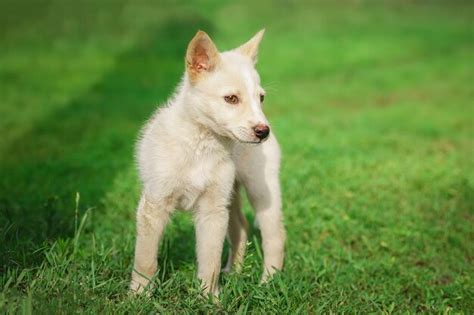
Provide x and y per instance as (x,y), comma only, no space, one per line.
(82,147)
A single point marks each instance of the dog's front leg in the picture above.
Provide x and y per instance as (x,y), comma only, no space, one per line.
(211,220)
(264,195)
(151,221)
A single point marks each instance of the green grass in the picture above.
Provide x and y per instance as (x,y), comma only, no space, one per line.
(372,103)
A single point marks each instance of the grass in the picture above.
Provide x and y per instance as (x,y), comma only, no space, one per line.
(372,102)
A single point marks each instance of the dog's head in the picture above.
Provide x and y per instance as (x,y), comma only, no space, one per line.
(225,88)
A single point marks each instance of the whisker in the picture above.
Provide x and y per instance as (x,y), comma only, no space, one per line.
(271,86)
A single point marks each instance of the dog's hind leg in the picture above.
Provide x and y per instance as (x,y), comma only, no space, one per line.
(151,221)
(237,232)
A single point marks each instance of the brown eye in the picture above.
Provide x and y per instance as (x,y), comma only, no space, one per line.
(231,99)
(262,98)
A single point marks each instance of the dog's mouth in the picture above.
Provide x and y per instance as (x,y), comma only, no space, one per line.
(247,141)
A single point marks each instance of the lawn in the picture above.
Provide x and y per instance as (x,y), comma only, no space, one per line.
(372,103)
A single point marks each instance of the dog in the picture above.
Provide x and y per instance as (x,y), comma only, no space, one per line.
(195,154)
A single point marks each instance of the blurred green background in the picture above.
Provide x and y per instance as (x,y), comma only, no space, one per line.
(372,102)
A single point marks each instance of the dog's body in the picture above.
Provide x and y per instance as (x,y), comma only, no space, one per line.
(194,154)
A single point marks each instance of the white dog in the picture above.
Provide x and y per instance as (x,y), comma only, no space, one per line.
(197,151)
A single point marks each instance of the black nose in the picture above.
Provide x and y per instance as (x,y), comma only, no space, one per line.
(261,131)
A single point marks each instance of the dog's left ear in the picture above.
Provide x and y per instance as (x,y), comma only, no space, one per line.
(250,48)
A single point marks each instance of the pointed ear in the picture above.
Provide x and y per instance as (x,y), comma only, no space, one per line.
(201,55)
(250,48)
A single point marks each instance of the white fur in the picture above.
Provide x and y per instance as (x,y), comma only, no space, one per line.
(194,154)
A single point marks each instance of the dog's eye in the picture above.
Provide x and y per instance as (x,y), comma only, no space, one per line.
(231,99)
(262,98)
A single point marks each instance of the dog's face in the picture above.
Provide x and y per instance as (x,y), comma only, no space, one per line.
(226,88)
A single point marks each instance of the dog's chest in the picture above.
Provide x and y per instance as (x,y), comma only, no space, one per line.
(198,177)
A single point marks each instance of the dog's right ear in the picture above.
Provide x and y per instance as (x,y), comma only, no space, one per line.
(201,56)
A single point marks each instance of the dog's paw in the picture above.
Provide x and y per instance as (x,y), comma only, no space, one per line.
(213,296)
(256,225)
(226,269)
(268,275)
(265,278)
(140,288)
(136,288)
(210,293)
